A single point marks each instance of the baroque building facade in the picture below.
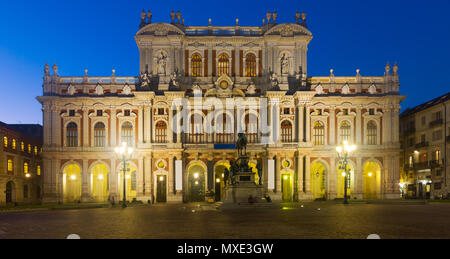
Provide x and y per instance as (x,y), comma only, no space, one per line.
(425,139)
(199,86)
(20,164)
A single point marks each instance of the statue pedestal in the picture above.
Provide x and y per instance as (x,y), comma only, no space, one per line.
(244,188)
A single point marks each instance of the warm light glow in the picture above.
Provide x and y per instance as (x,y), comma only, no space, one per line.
(196,175)
(416,152)
(28,175)
(344,174)
(339,149)
(100,177)
(130,151)
(370,174)
(218,180)
(161,178)
(196,182)
(286,177)
(73,177)
(127,176)
(117,150)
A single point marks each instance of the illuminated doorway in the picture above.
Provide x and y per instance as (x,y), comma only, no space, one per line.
(318,181)
(100,183)
(372,180)
(286,187)
(196,183)
(220,180)
(340,185)
(161,189)
(72,184)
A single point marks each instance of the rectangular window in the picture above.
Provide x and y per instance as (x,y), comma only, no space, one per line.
(99,113)
(160,111)
(127,113)
(437,135)
(287,111)
(437,186)
(422,138)
(371,111)
(72,113)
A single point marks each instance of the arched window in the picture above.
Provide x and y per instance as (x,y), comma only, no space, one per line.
(100,134)
(196,134)
(251,128)
(127,134)
(5,141)
(161,132)
(22,146)
(286,131)
(72,135)
(38,170)
(224,64)
(345,131)
(14,144)
(10,166)
(224,130)
(250,65)
(372,133)
(319,134)
(196,65)
(25,168)
(29,148)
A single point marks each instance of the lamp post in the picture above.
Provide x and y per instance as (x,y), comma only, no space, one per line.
(125,153)
(343,152)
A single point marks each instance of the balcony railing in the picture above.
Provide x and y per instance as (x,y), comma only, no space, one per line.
(436,163)
(437,122)
(422,144)
(422,165)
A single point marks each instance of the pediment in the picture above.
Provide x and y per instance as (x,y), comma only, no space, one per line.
(160,29)
(289,30)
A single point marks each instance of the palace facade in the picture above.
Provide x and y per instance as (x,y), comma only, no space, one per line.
(199,86)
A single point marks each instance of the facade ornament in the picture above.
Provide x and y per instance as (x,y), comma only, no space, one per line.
(304,19)
(275,16)
(162,62)
(346,89)
(395,69)
(237,22)
(388,69)
(264,21)
(46,69)
(113,73)
(210,24)
(373,89)
(144,80)
(99,89)
(174,79)
(71,90)
(126,89)
(297,17)
(358,76)
(251,89)
(319,89)
(179,16)
(143,15)
(284,64)
(55,69)
(172,16)
(332,75)
(268,16)
(149,17)
(197,90)
(274,79)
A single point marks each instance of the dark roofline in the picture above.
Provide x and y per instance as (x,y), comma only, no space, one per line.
(424,106)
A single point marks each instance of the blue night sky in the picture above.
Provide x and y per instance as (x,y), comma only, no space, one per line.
(98,35)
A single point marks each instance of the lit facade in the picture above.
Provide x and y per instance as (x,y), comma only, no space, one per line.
(425,131)
(20,164)
(171,114)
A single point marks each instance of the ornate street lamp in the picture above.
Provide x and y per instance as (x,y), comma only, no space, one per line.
(125,153)
(343,152)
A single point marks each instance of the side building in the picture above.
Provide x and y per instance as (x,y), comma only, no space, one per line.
(20,164)
(198,88)
(425,137)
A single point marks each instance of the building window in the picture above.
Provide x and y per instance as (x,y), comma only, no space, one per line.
(29,148)
(437,135)
(38,170)
(345,131)
(25,191)
(127,133)
(196,65)
(224,64)
(22,146)
(99,113)
(372,112)
(319,133)
(161,111)
(287,111)
(250,65)
(72,135)
(14,144)
(99,135)
(437,155)
(251,127)
(25,168)
(424,120)
(372,133)
(36,150)
(72,113)
(127,113)
(422,138)
(196,134)
(161,132)
(5,142)
(286,131)
(10,166)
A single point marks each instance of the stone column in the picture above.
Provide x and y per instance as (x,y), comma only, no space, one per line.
(85,182)
(47,122)
(359,179)
(308,175)
(332,176)
(85,129)
(171,177)
(140,179)
(148,124)
(308,125)
(386,126)
(56,127)
(300,173)
(113,136)
(148,176)
(113,189)
(359,127)
(169,127)
(333,126)
(300,123)
(179,130)
(278,174)
(396,127)
(140,126)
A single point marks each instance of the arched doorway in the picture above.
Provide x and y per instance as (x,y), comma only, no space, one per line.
(161,188)
(100,182)
(10,192)
(318,181)
(220,180)
(72,183)
(196,183)
(286,187)
(130,182)
(372,180)
(340,184)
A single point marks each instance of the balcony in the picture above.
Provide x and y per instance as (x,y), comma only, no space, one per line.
(436,123)
(410,131)
(436,163)
(422,144)
(422,165)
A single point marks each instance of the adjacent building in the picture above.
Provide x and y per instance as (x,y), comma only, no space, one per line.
(20,164)
(425,136)
(198,87)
